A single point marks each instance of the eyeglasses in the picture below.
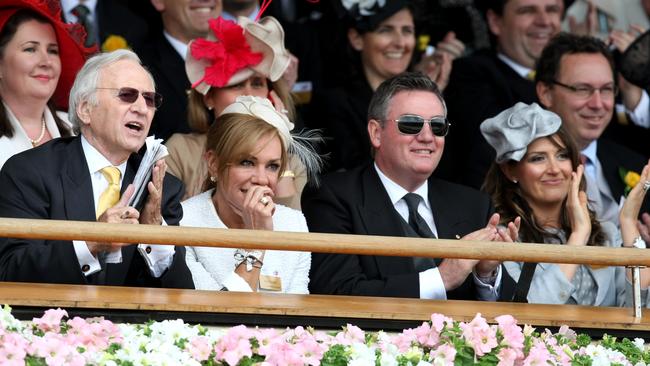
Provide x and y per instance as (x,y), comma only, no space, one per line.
(411,124)
(130,95)
(586,91)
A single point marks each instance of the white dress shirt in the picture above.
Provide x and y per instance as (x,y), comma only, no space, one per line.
(431,284)
(159,257)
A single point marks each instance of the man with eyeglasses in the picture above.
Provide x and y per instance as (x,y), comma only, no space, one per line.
(575,79)
(87,178)
(396,196)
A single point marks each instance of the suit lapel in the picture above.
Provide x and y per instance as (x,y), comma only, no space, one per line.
(77,186)
(380,218)
(610,170)
(449,225)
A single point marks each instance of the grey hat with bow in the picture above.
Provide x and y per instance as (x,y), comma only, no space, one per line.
(512,130)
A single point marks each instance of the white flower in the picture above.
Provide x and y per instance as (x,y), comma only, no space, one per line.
(361,355)
(7,321)
(365,7)
(639,343)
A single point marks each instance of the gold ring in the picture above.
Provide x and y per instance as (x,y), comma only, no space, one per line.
(265,201)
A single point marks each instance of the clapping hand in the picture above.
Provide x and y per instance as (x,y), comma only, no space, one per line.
(121,213)
(578,211)
(151,213)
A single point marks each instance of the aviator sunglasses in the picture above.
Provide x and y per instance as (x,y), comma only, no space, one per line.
(411,124)
(130,95)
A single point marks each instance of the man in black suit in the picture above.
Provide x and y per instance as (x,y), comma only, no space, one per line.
(164,56)
(490,81)
(395,196)
(105,18)
(575,79)
(112,103)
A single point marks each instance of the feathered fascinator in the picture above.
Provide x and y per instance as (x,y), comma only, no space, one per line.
(365,15)
(296,144)
(70,38)
(233,52)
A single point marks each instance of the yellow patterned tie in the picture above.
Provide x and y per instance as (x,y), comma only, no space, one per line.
(111,195)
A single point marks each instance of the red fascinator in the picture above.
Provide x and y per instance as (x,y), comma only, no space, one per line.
(233,52)
(70,38)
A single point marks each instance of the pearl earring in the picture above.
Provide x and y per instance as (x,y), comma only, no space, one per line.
(213,179)
(514,181)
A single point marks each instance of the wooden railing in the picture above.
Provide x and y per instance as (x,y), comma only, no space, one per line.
(314,306)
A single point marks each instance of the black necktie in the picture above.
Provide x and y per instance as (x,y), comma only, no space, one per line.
(83,17)
(415,220)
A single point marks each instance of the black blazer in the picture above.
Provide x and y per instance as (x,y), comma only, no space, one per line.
(342,114)
(52,182)
(115,18)
(168,70)
(355,202)
(613,156)
(480,87)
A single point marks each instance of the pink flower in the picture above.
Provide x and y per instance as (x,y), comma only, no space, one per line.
(13,349)
(51,320)
(426,335)
(480,335)
(538,355)
(512,333)
(444,355)
(438,321)
(199,348)
(234,345)
(507,357)
(405,340)
(350,334)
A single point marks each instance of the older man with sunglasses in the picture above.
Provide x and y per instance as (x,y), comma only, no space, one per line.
(396,196)
(87,178)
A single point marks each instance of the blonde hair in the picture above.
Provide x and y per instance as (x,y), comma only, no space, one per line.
(234,137)
(199,118)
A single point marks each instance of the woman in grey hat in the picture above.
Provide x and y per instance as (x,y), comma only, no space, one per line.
(537,175)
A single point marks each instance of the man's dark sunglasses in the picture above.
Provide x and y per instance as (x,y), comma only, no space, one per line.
(130,95)
(411,124)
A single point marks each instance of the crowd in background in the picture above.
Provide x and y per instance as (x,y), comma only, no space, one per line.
(512,120)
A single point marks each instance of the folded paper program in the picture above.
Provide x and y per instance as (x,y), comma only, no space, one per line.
(155,151)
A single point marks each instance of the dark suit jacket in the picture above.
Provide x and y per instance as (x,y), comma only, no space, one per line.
(613,156)
(480,87)
(52,182)
(115,18)
(355,202)
(342,114)
(168,70)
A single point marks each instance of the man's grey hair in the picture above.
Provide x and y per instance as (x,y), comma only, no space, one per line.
(406,81)
(85,85)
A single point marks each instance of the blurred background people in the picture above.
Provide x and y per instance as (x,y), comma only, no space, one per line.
(109,24)
(248,148)
(381,41)
(164,55)
(260,75)
(39,59)
(537,175)
(488,81)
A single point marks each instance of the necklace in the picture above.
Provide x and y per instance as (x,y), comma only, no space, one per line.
(40,137)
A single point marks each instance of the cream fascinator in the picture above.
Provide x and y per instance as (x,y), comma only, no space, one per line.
(296,144)
(233,52)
